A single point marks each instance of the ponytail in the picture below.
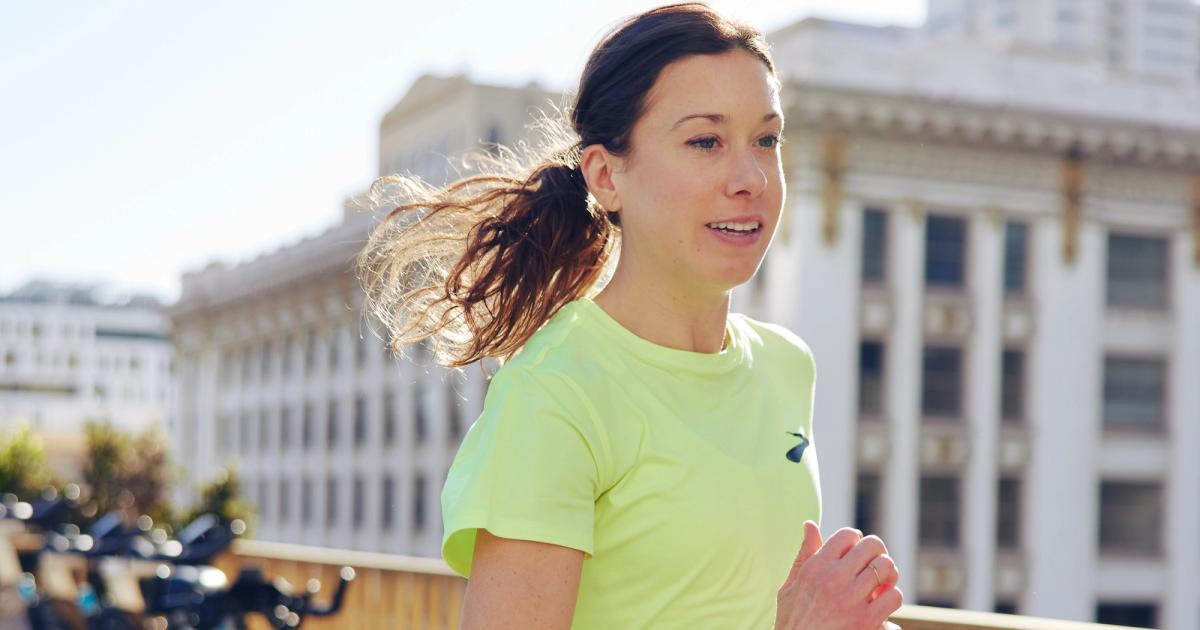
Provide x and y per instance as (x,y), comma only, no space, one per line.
(481,264)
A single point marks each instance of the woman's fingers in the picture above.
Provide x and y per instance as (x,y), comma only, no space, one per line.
(866,550)
(887,603)
(865,583)
(809,548)
(840,543)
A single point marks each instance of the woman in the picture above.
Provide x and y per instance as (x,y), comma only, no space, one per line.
(644,459)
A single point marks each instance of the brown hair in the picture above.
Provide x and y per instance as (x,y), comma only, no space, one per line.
(482,263)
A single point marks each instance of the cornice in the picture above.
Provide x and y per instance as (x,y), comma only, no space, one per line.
(995,126)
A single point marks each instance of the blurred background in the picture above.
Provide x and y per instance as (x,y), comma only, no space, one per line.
(991,242)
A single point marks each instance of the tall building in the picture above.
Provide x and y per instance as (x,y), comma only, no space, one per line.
(996,260)
(1154,39)
(338,443)
(69,354)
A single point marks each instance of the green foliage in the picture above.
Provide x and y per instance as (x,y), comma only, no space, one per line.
(126,472)
(23,467)
(121,471)
(222,496)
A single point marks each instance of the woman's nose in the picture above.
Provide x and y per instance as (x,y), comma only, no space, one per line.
(747,177)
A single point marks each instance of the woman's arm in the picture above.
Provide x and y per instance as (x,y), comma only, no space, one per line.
(521,584)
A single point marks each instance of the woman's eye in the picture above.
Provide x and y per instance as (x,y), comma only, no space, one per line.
(706,144)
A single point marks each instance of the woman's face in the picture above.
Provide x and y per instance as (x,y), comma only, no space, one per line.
(704,153)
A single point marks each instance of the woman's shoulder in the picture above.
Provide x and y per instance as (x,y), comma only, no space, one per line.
(771,338)
(562,346)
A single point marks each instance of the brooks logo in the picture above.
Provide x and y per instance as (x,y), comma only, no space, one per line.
(797,451)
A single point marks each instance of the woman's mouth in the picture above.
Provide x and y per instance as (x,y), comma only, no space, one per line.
(734,233)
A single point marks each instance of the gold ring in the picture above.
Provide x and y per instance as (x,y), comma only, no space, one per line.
(878,582)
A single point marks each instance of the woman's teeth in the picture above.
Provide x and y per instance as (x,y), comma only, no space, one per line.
(735,227)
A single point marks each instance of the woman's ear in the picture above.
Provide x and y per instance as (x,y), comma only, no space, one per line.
(597,166)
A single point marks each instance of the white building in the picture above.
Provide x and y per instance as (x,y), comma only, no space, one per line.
(1148,38)
(68,355)
(996,260)
(338,443)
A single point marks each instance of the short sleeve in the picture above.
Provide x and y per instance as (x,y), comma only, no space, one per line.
(529,468)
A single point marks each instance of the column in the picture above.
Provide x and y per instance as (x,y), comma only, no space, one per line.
(901,511)
(1183,481)
(983,404)
(1065,371)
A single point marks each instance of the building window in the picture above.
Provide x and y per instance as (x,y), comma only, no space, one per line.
(264,431)
(1012,386)
(360,420)
(493,141)
(1015,256)
(1137,271)
(387,504)
(1134,391)
(265,364)
(941,382)
(421,421)
(359,500)
(454,411)
(866,503)
(1008,513)
(419,502)
(285,428)
(307,429)
(331,498)
(870,378)
(945,251)
(285,360)
(360,349)
(245,431)
(939,502)
(247,365)
(1005,607)
(264,500)
(331,428)
(334,337)
(224,437)
(285,503)
(874,246)
(1134,615)
(389,418)
(310,352)
(306,501)
(1131,517)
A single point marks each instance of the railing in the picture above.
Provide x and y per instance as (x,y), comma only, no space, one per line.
(393,592)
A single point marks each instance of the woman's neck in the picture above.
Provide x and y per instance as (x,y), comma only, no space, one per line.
(674,319)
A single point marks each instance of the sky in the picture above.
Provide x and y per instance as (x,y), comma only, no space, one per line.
(141,140)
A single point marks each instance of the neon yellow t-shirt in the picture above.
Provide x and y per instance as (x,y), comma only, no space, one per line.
(671,470)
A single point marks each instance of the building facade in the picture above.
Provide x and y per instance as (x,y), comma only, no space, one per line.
(337,441)
(69,355)
(1008,349)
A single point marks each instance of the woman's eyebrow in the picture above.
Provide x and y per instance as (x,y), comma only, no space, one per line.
(716,118)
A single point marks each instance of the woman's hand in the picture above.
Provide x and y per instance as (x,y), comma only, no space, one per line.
(831,586)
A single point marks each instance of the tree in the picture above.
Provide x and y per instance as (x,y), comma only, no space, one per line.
(23,467)
(222,496)
(128,473)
